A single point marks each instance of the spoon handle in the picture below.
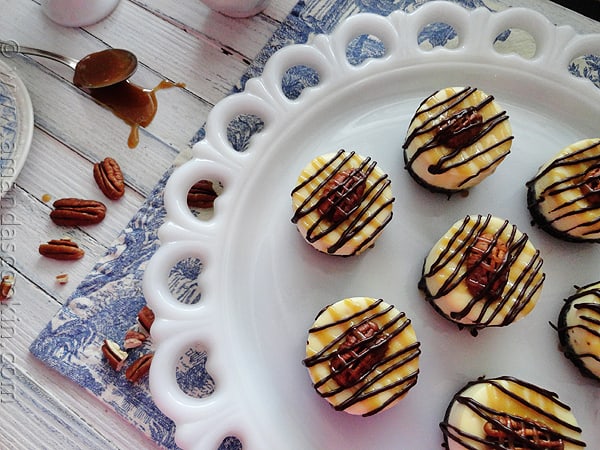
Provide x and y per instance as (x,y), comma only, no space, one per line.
(12,47)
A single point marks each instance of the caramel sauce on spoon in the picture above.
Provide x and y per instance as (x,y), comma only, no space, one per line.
(135,105)
(104,75)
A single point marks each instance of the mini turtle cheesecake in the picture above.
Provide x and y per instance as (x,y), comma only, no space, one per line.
(564,196)
(342,202)
(507,413)
(457,137)
(579,329)
(362,355)
(482,273)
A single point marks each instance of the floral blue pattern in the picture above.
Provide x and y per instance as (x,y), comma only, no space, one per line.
(106,303)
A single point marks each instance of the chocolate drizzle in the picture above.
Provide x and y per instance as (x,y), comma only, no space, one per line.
(508,386)
(454,139)
(577,185)
(363,215)
(384,367)
(588,314)
(517,294)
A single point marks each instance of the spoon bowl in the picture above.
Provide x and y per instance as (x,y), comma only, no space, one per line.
(96,70)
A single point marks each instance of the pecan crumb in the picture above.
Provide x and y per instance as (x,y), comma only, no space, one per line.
(114,354)
(62,278)
(6,287)
(146,318)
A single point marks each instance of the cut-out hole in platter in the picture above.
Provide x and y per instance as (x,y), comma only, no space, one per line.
(516,41)
(437,34)
(202,196)
(586,66)
(191,374)
(194,380)
(296,79)
(241,129)
(364,47)
(183,281)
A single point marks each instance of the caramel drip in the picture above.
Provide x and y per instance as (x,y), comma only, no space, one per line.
(572,183)
(491,415)
(364,388)
(432,123)
(135,105)
(524,287)
(359,218)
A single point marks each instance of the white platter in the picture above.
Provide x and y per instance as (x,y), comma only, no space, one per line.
(262,285)
(16,126)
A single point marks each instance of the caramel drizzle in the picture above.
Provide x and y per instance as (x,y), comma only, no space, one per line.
(572,183)
(524,287)
(431,124)
(488,414)
(364,388)
(359,218)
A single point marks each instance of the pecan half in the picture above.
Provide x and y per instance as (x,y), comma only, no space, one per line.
(109,178)
(139,368)
(363,348)
(146,317)
(458,130)
(202,195)
(591,185)
(517,433)
(484,264)
(63,249)
(114,354)
(342,194)
(77,212)
(6,287)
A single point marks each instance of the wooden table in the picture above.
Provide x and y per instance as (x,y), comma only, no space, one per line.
(181,41)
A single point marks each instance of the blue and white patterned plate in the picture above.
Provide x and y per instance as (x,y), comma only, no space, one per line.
(16,126)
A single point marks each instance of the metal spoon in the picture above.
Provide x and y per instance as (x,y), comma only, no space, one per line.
(96,70)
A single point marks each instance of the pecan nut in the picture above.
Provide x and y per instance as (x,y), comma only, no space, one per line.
(342,195)
(139,368)
(109,178)
(6,287)
(362,349)
(486,274)
(459,130)
(133,339)
(517,432)
(202,195)
(146,317)
(77,212)
(591,185)
(114,354)
(63,249)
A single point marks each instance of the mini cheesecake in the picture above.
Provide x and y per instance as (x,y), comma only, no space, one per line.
(507,413)
(564,196)
(457,137)
(482,273)
(579,329)
(362,355)
(342,202)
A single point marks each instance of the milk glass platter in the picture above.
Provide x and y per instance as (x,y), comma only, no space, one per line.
(262,285)
(16,126)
